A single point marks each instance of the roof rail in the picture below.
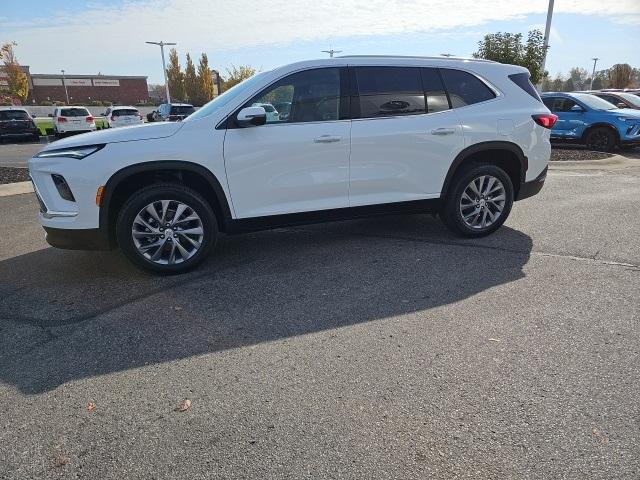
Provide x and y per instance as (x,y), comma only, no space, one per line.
(418,57)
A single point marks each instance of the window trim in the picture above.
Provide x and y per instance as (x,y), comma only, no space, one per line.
(228,122)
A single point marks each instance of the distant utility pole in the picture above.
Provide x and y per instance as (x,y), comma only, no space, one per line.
(593,74)
(164,67)
(64,84)
(547,30)
(331,51)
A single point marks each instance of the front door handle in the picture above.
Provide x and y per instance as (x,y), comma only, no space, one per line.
(327,139)
(443,131)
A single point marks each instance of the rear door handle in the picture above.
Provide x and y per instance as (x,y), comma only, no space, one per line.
(443,131)
(327,139)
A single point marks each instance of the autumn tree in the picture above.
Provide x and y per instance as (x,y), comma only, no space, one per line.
(507,47)
(175,77)
(206,88)
(235,75)
(620,75)
(190,81)
(17,81)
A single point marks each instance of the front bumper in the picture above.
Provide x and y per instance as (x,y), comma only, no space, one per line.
(529,189)
(74,239)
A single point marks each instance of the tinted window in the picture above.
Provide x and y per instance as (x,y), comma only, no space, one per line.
(548,102)
(13,115)
(182,110)
(125,112)
(523,81)
(464,88)
(74,112)
(563,105)
(434,90)
(312,96)
(389,91)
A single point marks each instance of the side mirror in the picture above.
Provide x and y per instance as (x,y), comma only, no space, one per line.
(577,109)
(252,117)
(621,105)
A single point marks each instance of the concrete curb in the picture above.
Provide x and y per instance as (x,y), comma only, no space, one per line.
(17,188)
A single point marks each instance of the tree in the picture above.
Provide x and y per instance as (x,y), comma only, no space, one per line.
(17,81)
(579,77)
(568,85)
(557,83)
(508,48)
(206,88)
(175,77)
(235,75)
(620,75)
(190,81)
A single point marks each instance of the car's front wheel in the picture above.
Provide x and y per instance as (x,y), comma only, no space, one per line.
(478,201)
(601,139)
(166,229)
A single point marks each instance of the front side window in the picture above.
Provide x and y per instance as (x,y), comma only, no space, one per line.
(563,105)
(464,88)
(389,91)
(307,96)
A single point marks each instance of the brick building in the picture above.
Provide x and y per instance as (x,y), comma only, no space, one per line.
(87,88)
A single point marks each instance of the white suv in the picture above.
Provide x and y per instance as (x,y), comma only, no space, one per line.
(72,120)
(364,136)
(122,117)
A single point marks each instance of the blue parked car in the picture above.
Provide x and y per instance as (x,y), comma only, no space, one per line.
(592,121)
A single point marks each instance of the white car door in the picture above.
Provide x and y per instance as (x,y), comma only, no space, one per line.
(296,164)
(401,146)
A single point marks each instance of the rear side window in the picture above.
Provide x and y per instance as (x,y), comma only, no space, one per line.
(13,115)
(74,112)
(389,91)
(523,81)
(464,88)
(125,112)
(437,100)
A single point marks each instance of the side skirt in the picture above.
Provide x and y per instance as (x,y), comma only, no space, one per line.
(245,225)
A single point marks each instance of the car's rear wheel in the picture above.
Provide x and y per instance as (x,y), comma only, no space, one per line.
(166,229)
(601,139)
(478,201)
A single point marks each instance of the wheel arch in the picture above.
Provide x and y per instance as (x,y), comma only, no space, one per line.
(507,155)
(606,125)
(129,179)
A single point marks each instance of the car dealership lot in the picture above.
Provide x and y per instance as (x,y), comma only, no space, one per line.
(379,348)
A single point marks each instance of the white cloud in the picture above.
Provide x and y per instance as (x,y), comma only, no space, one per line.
(102,33)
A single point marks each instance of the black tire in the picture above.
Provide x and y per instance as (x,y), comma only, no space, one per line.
(601,139)
(156,193)
(451,213)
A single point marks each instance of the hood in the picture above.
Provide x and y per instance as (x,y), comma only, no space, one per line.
(627,112)
(146,131)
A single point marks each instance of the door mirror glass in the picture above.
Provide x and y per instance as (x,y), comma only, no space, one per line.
(576,109)
(252,116)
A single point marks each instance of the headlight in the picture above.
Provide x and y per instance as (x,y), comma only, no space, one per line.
(71,152)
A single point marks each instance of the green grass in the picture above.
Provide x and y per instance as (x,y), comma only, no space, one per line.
(45,122)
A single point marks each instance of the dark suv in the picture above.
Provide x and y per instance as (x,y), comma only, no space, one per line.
(172,112)
(17,123)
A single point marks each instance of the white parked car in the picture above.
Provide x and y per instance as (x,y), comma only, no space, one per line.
(72,120)
(364,136)
(122,117)
(271,112)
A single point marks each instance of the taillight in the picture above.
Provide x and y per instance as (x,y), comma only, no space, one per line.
(61,119)
(546,120)
(89,119)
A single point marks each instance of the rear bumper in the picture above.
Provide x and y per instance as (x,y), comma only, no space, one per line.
(529,189)
(20,134)
(74,239)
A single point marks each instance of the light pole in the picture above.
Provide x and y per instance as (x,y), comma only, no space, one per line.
(64,84)
(593,74)
(331,51)
(164,67)
(547,30)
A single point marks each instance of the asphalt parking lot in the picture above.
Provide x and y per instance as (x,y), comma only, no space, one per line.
(380,348)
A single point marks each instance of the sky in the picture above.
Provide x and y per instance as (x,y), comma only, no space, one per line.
(88,37)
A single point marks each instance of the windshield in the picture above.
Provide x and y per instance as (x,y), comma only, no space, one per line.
(221,100)
(16,115)
(74,112)
(631,98)
(594,102)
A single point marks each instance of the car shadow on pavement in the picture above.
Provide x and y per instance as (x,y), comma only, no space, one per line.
(68,315)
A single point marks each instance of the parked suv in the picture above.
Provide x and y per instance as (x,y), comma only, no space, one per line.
(122,117)
(16,123)
(172,112)
(592,121)
(364,136)
(72,120)
(620,99)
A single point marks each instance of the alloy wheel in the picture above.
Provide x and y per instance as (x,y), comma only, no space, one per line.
(482,202)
